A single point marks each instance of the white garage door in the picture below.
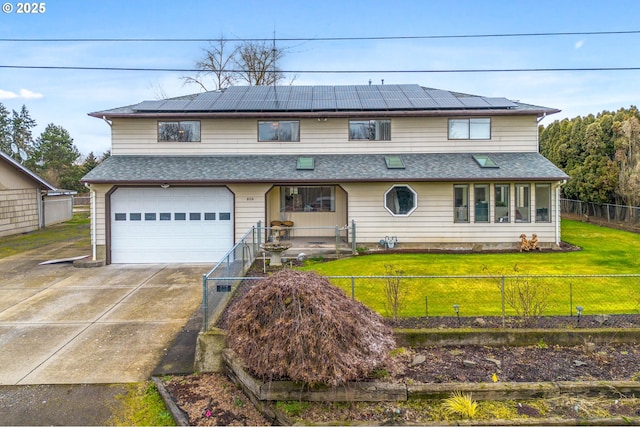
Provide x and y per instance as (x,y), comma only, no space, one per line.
(171,225)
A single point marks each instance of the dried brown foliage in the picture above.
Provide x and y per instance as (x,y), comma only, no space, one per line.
(296,325)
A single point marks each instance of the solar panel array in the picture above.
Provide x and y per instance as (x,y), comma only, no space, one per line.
(324,98)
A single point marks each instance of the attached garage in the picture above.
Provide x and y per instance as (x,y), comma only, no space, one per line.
(170,225)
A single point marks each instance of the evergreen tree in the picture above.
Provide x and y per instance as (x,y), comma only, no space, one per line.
(5,130)
(21,126)
(54,157)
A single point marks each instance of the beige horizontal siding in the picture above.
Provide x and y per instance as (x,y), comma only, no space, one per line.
(432,221)
(239,136)
(249,206)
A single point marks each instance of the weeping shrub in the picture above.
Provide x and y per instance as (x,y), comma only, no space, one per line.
(296,325)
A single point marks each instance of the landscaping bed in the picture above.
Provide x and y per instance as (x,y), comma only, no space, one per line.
(225,404)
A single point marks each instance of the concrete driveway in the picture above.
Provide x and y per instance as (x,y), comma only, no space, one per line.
(65,325)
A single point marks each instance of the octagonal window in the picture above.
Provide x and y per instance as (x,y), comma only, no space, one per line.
(400,200)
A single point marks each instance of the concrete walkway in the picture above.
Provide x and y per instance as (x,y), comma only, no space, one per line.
(114,324)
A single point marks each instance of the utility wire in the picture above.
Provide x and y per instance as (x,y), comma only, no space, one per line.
(311,39)
(193,70)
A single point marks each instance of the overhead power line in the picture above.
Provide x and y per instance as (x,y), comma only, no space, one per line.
(311,39)
(193,70)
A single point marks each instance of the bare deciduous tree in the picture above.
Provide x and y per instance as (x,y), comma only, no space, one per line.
(253,62)
(218,60)
(257,63)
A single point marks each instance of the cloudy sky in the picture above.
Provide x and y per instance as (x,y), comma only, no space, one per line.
(393,36)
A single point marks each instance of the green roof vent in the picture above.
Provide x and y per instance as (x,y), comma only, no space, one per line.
(484,161)
(394,162)
(306,163)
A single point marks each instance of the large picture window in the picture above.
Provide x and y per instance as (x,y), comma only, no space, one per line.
(308,199)
(372,130)
(461,203)
(400,200)
(282,131)
(179,131)
(470,128)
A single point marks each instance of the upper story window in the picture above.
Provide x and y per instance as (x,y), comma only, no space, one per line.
(281,130)
(179,131)
(371,130)
(470,128)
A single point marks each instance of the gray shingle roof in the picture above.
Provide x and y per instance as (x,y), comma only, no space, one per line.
(328,168)
(297,99)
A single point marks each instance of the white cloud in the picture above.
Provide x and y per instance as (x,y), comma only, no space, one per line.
(579,44)
(23,94)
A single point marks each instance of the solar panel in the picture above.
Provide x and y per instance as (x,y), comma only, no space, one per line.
(474,102)
(444,99)
(500,102)
(148,105)
(323,92)
(348,104)
(307,98)
(323,104)
(175,105)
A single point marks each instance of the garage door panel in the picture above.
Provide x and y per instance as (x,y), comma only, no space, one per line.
(172,225)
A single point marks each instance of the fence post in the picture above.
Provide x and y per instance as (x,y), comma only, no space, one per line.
(337,231)
(354,247)
(353,288)
(504,313)
(205,316)
(259,235)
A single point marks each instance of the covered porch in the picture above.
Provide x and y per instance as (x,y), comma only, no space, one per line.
(306,214)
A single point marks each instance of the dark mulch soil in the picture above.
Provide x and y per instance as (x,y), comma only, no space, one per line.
(604,362)
(544,322)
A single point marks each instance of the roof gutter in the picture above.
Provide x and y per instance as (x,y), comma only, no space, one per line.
(285,181)
(326,114)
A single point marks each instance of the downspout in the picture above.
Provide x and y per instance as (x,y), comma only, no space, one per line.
(93,225)
(40,198)
(558,215)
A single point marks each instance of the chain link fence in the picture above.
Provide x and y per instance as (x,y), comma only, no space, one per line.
(628,215)
(559,301)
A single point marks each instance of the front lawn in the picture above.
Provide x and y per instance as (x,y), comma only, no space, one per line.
(604,251)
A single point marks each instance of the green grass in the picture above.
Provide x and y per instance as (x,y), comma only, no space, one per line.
(142,406)
(75,231)
(604,251)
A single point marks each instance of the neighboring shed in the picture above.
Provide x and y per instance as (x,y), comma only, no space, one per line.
(28,202)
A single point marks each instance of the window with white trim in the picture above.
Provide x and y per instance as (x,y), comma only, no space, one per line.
(400,200)
(475,128)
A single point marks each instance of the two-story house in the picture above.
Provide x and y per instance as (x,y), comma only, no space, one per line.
(189,176)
